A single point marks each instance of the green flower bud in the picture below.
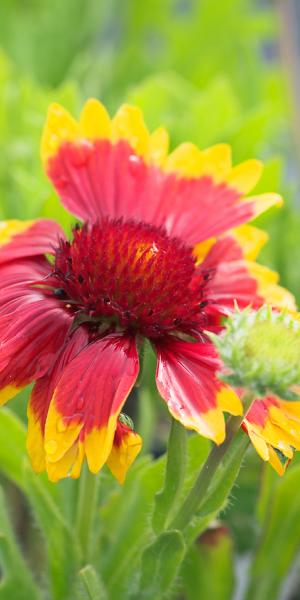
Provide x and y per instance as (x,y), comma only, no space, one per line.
(261,350)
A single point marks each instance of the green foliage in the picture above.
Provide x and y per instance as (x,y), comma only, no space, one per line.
(160,564)
(93,588)
(17,580)
(65,27)
(208,72)
(167,499)
(24,190)
(12,447)
(279,540)
(208,566)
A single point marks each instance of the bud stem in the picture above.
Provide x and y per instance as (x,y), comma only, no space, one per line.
(86,507)
(201,488)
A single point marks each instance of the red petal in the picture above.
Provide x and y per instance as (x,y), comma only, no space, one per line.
(89,397)
(229,279)
(41,396)
(32,327)
(99,179)
(186,379)
(197,209)
(37,237)
(31,336)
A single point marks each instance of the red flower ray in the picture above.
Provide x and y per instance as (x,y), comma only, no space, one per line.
(102,179)
(34,238)
(186,379)
(89,397)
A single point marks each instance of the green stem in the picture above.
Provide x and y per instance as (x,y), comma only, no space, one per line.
(201,486)
(167,498)
(86,507)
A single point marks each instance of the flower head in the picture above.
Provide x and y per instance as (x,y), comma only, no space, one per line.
(261,350)
(273,426)
(161,252)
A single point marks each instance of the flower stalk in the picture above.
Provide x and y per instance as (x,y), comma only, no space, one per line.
(201,488)
(86,508)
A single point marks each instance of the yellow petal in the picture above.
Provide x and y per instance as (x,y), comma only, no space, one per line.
(251,239)
(188,161)
(76,468)
(98,444)
(214,423)
(262,274)
(94,121)
(185,160)
(8,392)
(158,146)
(201,250)
(122,457)
(216,161)
(279,297)
(35,442)
(60,127)
(59,436)
(276,463)
(291,408)
(278,438)
(245,176)
(267,286)
(260,445)
(263,202)
(62,467)
(12,227)
(210,424)
(229,401)
(128,124)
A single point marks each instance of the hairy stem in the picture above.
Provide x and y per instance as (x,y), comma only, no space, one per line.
(200,489)
(86,507)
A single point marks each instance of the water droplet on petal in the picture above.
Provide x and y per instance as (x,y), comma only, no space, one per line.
(73,421)
(135,163)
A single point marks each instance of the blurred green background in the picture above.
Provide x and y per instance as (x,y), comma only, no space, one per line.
(211,72)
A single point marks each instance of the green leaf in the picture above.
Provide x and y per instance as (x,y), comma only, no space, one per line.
(207,570)
(17,581)
(92,584)
(62,547)
(13,446)
(167,499)
(279,541)
(225,475)
(126,526)
(220,487)
(160,565)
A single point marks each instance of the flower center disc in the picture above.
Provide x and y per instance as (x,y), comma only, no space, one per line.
(129,274)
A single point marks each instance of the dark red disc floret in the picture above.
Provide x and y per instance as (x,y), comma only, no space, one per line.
(130,276)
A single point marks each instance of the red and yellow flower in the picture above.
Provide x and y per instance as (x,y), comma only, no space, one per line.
(273,426)
(162,253)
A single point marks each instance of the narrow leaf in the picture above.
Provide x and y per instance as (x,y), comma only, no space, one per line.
(17,581)
(279,542)
(160,565)
(92,584)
